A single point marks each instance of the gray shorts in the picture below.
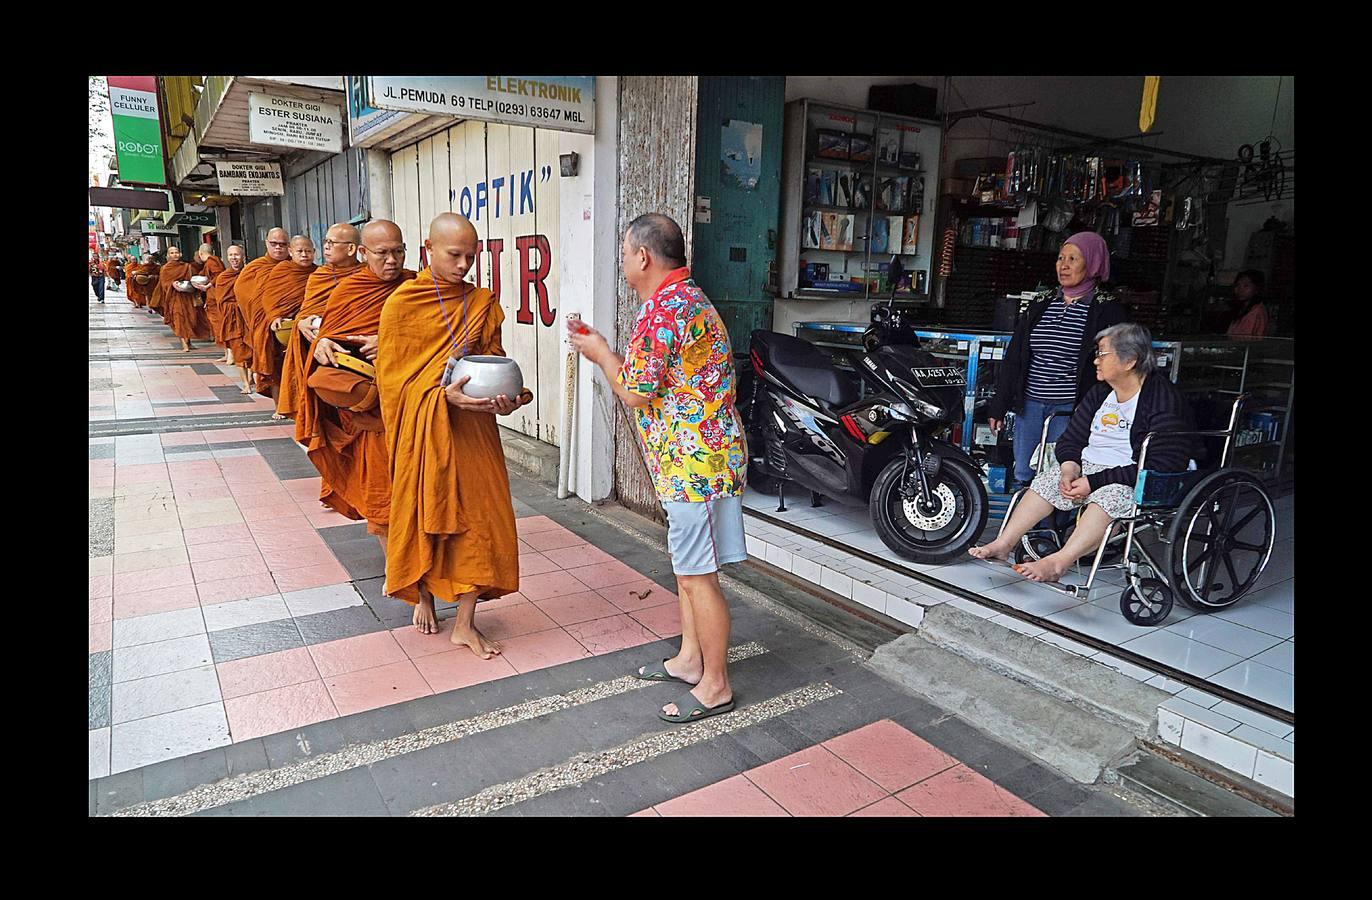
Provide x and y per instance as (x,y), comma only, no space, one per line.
(703,536)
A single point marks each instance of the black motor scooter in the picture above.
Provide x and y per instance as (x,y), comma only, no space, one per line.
(807,426)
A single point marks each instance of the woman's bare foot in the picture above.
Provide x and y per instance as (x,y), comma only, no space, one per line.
(990,551)
(425,622)
(474,641)
(1044,570)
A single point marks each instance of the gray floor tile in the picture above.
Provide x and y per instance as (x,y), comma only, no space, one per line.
(363,557)
(350,793)
(100,527)
(302,743)
(118,791)
(245,756)
(376,724)
(101,667)
(100,451)
(343,534)
(338,624)
(176,776)
(440,774)
(254,640)
(99,705)
(1057,798)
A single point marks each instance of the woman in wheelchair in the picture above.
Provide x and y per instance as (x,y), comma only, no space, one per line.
(1096,456)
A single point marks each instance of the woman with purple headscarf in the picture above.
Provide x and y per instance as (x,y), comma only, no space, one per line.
(1048,365)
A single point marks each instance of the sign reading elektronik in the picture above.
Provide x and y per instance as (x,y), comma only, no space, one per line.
(560,102)
(137,129)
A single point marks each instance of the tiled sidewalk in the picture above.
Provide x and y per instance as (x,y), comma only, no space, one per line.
(880,770)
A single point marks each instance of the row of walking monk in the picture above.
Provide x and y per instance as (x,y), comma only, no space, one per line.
(387,449)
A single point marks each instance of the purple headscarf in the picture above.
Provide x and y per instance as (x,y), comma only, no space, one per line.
(1092,246)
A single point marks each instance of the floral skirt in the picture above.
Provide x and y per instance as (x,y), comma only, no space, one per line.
(1116,499)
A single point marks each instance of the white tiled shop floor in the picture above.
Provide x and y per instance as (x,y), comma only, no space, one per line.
(1248,648)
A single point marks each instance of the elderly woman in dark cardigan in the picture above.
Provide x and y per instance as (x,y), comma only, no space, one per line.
(1047,367)
(1097,455)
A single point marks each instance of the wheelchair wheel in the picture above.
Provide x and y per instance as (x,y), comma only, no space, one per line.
(1150,605)
(1220,540)
(1033,547)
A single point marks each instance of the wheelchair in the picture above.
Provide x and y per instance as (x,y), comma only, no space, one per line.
(1215,531)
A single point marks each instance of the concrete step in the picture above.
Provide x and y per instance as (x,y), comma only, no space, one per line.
(1189,793)
(532,456)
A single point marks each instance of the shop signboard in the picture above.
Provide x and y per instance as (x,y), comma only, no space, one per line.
(292,122)
(123,198)
(193,218)
(249,179)
(559,102)
(137,129)
(367,125)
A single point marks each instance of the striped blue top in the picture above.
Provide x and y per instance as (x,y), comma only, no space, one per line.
(1055,351)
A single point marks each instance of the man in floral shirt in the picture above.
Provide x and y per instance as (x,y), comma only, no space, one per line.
(678,378)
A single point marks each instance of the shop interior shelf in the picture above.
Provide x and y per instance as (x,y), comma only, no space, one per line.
(861,166)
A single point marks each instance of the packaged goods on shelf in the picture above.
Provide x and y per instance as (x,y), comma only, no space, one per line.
(832,144)
(862,196)
(888,146)
(881,234)
(814,180)
(828,228)
(828,187)
(844,196)
(910,235)
(860,148)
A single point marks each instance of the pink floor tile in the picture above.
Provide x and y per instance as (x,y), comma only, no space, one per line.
(512,621)
(184,439)
(888,808)
(145,603)
(281,709)
(542,649)
(244,588)
(190,496)
(890,755)
(284,525)
(512,599)
(550,584)
(365,651)
(228,549)
(536,564)
(284,559)
(373,688)
(101,586)
(611,634)
(815,782)
(267,672)
(303,487)
(736,796)
(663,621)
(550,540)
(605,574)
(575,608)
(534,524)
(270,432)
(234,567)
(460,668)
(224,435)
(290,539)
(214,534)
(649,813)
(575,557)
(418,645)
(101,636)
(960,791)
(273,490)
(327,518)
(263,509)
(633,597)
(100,565)
(310,577)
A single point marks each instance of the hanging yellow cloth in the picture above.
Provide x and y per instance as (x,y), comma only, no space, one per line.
(1149,110)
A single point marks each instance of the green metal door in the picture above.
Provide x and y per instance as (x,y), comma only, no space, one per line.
(742,179)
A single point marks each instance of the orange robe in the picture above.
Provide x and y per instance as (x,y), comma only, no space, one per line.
(178,271)
(211,269)
(280,295)
(249,283)
(352,462)
(452,524)
(138,293)
(321,283)
(157,291)
(188,321)
(235,331)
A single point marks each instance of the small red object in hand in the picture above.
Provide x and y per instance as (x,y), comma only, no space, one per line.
(578,327)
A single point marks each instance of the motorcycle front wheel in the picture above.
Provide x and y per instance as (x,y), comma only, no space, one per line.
(939,533)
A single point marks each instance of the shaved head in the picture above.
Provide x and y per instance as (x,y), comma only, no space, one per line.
(204,253)
(278,244)
(340,245)
(235,256)
(452,247)
(302,250)
(171,250)
(383,249)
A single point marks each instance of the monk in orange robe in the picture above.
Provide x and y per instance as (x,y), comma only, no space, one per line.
(155,291)
(138,291)
(349,449)
(169,298)
(452,530)
(280,295)
(340,261)
(187,320)
(254,273)
(210,267)
(114,270)
(235,331)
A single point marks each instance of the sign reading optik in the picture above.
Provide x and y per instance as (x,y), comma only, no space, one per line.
(560,102)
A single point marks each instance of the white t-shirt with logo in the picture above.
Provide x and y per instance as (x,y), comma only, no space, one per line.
(1109,443)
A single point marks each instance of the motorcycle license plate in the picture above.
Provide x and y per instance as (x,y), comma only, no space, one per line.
(940,376)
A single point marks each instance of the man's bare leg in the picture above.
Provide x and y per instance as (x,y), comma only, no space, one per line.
(425,619)
(711,621)
(464,629)
(687,664)
(247,379)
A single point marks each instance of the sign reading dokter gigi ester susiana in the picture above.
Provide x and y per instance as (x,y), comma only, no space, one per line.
(137,129)
(293,122)
(558,102)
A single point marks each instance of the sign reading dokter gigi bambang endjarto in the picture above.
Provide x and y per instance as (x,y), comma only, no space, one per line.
(561,102)
(292,122)
(250,179)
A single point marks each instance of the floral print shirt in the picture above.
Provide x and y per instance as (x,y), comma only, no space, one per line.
(680,358)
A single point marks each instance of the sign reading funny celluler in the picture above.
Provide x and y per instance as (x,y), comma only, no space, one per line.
(137,129)
(249,179)
(561,102)
(292,122)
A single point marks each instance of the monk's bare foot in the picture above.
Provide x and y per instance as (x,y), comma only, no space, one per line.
(277,416)
(247,389)
(991,551)
(425,622)
(475,641)
(1043,570)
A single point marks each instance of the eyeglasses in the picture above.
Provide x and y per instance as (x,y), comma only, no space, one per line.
(278,243)
(392,254)
(1100,353)
(328,243)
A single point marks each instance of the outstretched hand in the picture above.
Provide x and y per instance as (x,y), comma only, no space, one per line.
(455,396)
(587,341)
